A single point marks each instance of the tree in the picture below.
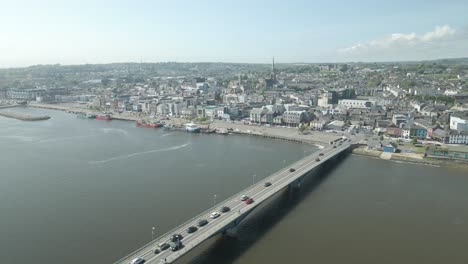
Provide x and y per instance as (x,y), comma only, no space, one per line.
(381,137)
(302,128)
(414,141)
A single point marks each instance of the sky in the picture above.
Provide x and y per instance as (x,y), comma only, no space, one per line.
(248,31)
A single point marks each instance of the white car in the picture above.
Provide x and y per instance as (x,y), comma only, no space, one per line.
(215,215)
(244,197)
(138,261)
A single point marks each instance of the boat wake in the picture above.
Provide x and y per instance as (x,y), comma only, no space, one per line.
(60,139)
(139,154)
(115,130)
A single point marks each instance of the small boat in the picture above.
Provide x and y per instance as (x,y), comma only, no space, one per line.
(168,126)
(86,116)
(191,127)
(104,117)
(148,124)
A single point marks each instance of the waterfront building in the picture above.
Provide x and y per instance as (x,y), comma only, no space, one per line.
(458,137)
(459,121)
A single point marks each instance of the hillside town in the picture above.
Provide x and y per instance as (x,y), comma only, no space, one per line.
(397,102)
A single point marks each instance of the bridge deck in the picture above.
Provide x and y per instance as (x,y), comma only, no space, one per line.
(258,192)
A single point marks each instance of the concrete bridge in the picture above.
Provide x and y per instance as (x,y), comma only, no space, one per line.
(227,222)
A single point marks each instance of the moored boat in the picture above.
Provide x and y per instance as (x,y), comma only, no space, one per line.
(86,116)
(104,117)
(191,127)
(148,124)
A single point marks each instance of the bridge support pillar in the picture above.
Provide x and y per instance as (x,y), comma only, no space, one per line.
(296,184)
(232,232)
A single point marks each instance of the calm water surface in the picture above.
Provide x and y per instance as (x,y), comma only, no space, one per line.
(89,191)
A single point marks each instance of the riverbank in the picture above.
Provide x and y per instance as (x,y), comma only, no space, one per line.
(8,106)
(23,117)
(289,134)
(412,158)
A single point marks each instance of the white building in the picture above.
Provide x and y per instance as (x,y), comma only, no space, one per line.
(458,138)
(349,103)
(405,133)
(458,123)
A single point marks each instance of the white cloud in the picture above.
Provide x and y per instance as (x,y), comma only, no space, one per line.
(399,46)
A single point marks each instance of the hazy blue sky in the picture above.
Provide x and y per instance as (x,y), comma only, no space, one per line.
(76,32)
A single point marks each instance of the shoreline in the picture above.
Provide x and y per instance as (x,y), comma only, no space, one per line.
(23,117)
(400,158)
(317,139)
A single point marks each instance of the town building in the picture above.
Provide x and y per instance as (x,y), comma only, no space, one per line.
(349,103)
(458,137)
(459,121)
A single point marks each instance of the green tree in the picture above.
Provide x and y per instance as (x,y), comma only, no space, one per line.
(414,141)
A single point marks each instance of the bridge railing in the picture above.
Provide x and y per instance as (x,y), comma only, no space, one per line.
(213,208)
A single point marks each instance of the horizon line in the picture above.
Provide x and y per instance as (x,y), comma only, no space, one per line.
(227,62)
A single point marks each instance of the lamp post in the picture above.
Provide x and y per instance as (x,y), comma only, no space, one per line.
(214,200)
(152,233)
(253,179)
(284,163)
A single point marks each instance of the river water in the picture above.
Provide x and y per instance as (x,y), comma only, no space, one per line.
(89,191)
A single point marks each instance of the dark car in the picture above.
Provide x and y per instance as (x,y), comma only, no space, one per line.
(249,201)
(267,184)
(317,159)
(225,209)
(292,170)
(321,154)
(157,251)
(176,237)
(334,146)
(163,246)
(192,229)
(202,222)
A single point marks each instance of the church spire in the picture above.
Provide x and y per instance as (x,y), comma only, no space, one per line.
(273,73)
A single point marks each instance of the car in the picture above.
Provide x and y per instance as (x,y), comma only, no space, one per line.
(192,229)
(292,170)
(215,215)
(225,209)
(138,261)
(267,184)
(176,245)
(244,197)
(176,237)
(157,251)
(334,146)
(163,246)
(249,201)
(317,159)
(321,154)
(202,222)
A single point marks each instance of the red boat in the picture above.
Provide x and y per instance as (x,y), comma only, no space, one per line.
(104,117)
(149,125)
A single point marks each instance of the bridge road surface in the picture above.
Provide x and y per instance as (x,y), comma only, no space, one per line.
(258,192)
